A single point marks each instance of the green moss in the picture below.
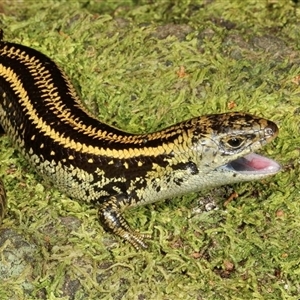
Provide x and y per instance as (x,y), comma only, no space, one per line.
(124,58)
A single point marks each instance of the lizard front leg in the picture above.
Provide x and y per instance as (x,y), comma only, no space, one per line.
(110,216)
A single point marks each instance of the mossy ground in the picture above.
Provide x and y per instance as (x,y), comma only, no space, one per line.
(143,65)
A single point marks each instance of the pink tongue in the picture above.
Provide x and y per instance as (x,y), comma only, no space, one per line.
(258,163)
(255,164)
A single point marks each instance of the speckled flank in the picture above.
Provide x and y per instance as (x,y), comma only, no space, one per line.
(102,165)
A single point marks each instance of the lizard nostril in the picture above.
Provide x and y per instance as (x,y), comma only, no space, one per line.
(269,132)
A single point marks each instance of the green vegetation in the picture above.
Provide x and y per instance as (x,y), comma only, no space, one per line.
(143,65)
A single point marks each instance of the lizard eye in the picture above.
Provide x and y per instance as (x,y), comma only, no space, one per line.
(235,142)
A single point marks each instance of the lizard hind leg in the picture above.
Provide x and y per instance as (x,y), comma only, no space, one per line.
(111,219)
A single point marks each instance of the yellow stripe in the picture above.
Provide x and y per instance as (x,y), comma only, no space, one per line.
(52,99)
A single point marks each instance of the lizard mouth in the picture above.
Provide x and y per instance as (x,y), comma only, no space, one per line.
(254,164)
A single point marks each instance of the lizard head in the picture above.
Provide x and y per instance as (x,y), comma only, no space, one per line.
(228,143)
